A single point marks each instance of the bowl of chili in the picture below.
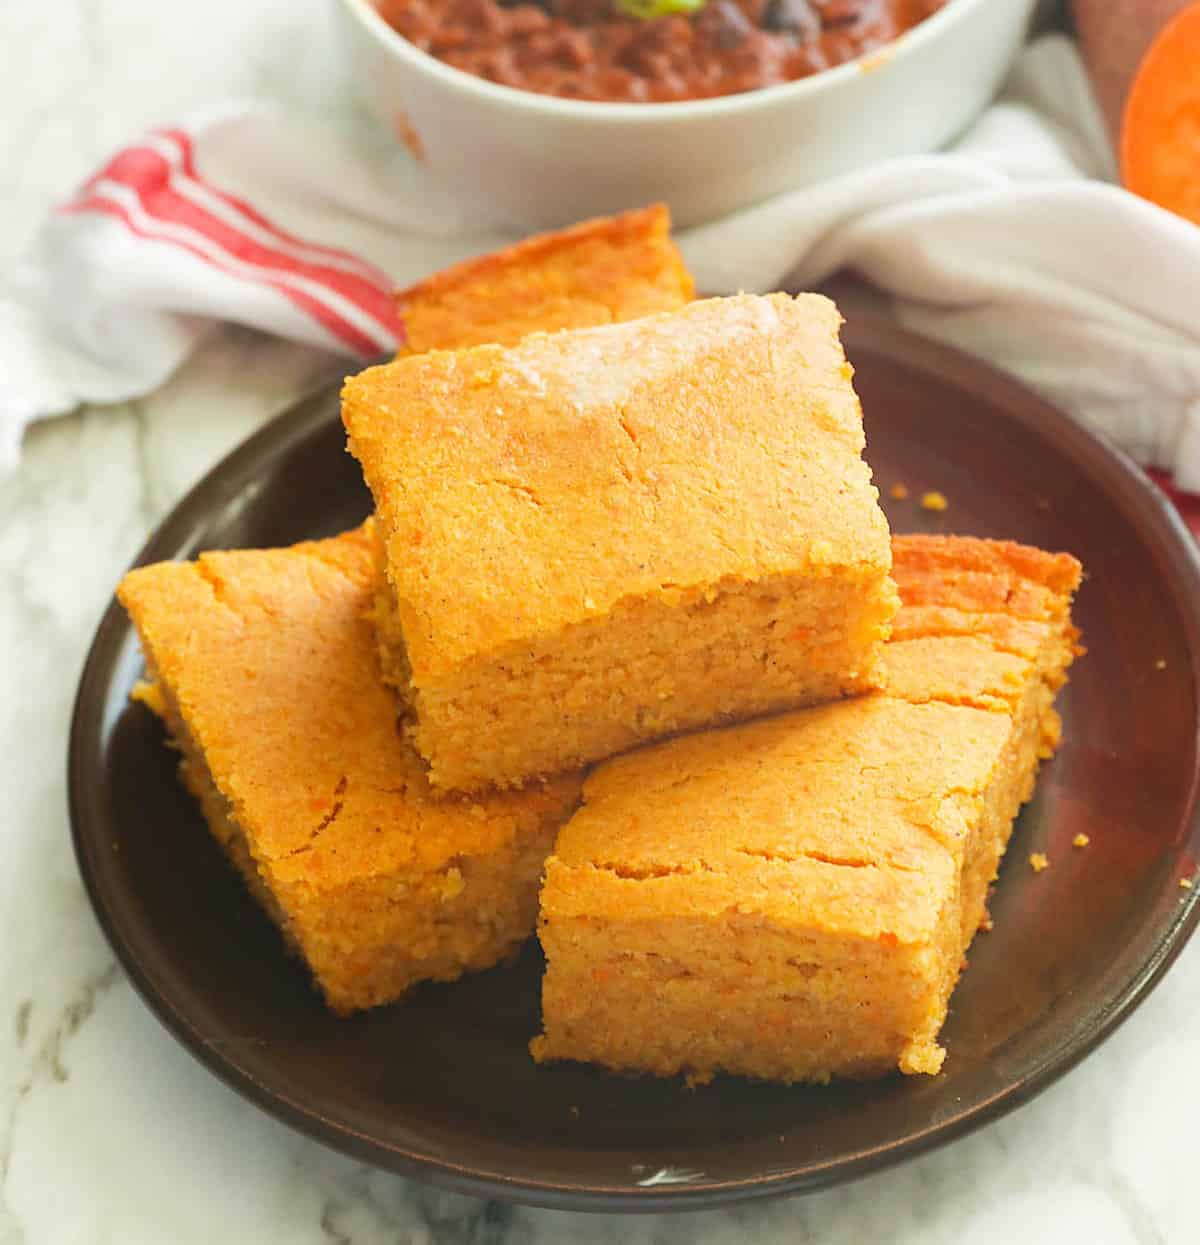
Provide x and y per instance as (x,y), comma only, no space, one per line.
(547,111)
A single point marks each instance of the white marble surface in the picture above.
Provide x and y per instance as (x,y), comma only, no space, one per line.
(109,1132)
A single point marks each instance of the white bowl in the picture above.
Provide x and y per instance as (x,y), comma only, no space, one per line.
(538,162)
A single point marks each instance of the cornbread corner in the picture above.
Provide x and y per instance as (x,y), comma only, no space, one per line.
(598,272)
(791,899)
(603,536)
(262,664)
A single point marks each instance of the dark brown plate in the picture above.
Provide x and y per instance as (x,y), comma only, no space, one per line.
(442,1086)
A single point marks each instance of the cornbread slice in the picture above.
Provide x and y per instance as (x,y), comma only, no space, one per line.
(791,899)
(602,536)
(263,666)
(598,272)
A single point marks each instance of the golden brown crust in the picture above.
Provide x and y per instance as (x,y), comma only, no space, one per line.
(967,573)
(597,272)
(977,617)
(1015,635)
(711,447)
(605,536)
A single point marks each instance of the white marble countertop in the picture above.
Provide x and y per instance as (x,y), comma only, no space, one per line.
(109,1131)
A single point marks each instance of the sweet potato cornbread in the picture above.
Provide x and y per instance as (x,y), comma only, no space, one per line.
(598,272)
(791,899)
(263,666)
(602,536)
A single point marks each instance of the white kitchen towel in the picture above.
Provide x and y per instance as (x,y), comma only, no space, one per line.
(1014,245)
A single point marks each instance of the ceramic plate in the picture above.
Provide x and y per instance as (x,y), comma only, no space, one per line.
(443,1087)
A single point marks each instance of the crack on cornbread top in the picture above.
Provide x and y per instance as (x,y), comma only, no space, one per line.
(277,684)
(335,810)
(850,817)
(216,584)
(700,864)
(793,788)
(719,443)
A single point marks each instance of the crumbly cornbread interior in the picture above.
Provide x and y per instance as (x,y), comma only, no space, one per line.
(702,656)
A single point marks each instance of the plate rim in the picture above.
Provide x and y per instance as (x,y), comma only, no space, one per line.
(1118,476)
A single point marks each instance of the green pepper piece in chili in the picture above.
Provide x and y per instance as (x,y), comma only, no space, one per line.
(644,10)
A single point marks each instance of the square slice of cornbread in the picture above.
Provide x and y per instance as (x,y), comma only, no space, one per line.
(263,666)
(791,899)
(602,536)
(601,271)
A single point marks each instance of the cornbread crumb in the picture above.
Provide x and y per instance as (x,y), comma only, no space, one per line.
(262,664)
(1185,884)
(933,500)
(791,899)
(1038,861)
(633,531)
(149,694)
(1080,840)
(899,491)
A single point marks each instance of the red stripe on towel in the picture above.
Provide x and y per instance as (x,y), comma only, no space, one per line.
(318,287)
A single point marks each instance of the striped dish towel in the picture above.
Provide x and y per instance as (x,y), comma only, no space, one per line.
(1013,246)
(231,256)
(233,217)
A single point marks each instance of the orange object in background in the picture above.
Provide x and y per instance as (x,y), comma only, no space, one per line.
(1160,131)
(1114,36)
